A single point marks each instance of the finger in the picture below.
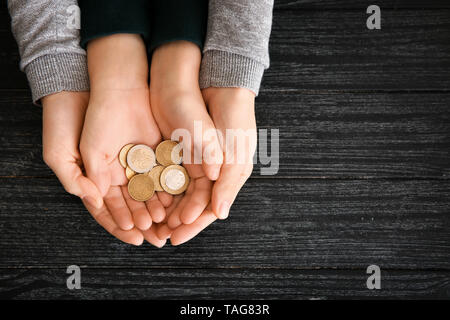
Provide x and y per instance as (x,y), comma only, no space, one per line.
(163,231)
(165,198)
(151,237)
(204,148)
(198,200)
(74,182)
(173,205)
(97,170)
(104,218)
(212,154)
(156,209)
(186,232)
(116,204)
(139,211)
(226,188)
(174,218)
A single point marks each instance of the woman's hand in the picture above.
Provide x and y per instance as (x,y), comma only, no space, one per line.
(63,116)
(233,114)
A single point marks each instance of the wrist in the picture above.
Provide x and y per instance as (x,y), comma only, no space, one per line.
(66,99)
(230,96)
(175,67)
(117,61)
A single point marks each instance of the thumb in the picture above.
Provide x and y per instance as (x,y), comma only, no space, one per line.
(97,170)
(226,188)
(74,182)
(212,153)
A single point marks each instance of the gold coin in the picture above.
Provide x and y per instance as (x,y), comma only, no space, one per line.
(123,154)
(169,152)
(174,179)
(141,158)
(155,174)
(141,187)
(129,173)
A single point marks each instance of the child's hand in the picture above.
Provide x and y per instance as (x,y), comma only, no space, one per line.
(176,103)
(119,113)
(114,119)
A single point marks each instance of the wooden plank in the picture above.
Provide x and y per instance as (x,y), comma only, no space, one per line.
(221,284)
(333,50)
(359,4)
(12,77)
(321,135)
(274,223)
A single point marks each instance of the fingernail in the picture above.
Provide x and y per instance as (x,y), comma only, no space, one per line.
(215,173)
(91,201)
(224,210)
(162,244)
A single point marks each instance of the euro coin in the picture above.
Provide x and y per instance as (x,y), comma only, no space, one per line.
(169,152)
(141,158)
(123,154)
(174,179)
(141,187)
(129,173)
(155,174)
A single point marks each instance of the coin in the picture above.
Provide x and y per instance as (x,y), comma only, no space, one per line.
(129,173)
(155,174)
(141,187)
(174,179)
(168,152)
(141,158)
(123,154)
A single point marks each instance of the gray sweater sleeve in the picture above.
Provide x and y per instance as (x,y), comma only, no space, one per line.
(47,35)
(236,50)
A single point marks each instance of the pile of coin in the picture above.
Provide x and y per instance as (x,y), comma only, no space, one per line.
(149,171)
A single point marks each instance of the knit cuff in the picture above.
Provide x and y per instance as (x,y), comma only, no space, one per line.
(226,69)
(57,72)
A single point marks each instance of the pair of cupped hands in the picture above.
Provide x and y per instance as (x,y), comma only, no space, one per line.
(83,133)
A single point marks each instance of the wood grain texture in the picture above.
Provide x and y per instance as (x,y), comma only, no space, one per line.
(221,284)
(359,4)
(333,50)
(365,142)
(321,135)
(274,223)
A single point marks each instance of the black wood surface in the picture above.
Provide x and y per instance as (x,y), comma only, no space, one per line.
(290,223)
(364,126)
(322,135)
(118,283)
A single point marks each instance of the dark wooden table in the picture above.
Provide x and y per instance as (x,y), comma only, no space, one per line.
(364,120)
